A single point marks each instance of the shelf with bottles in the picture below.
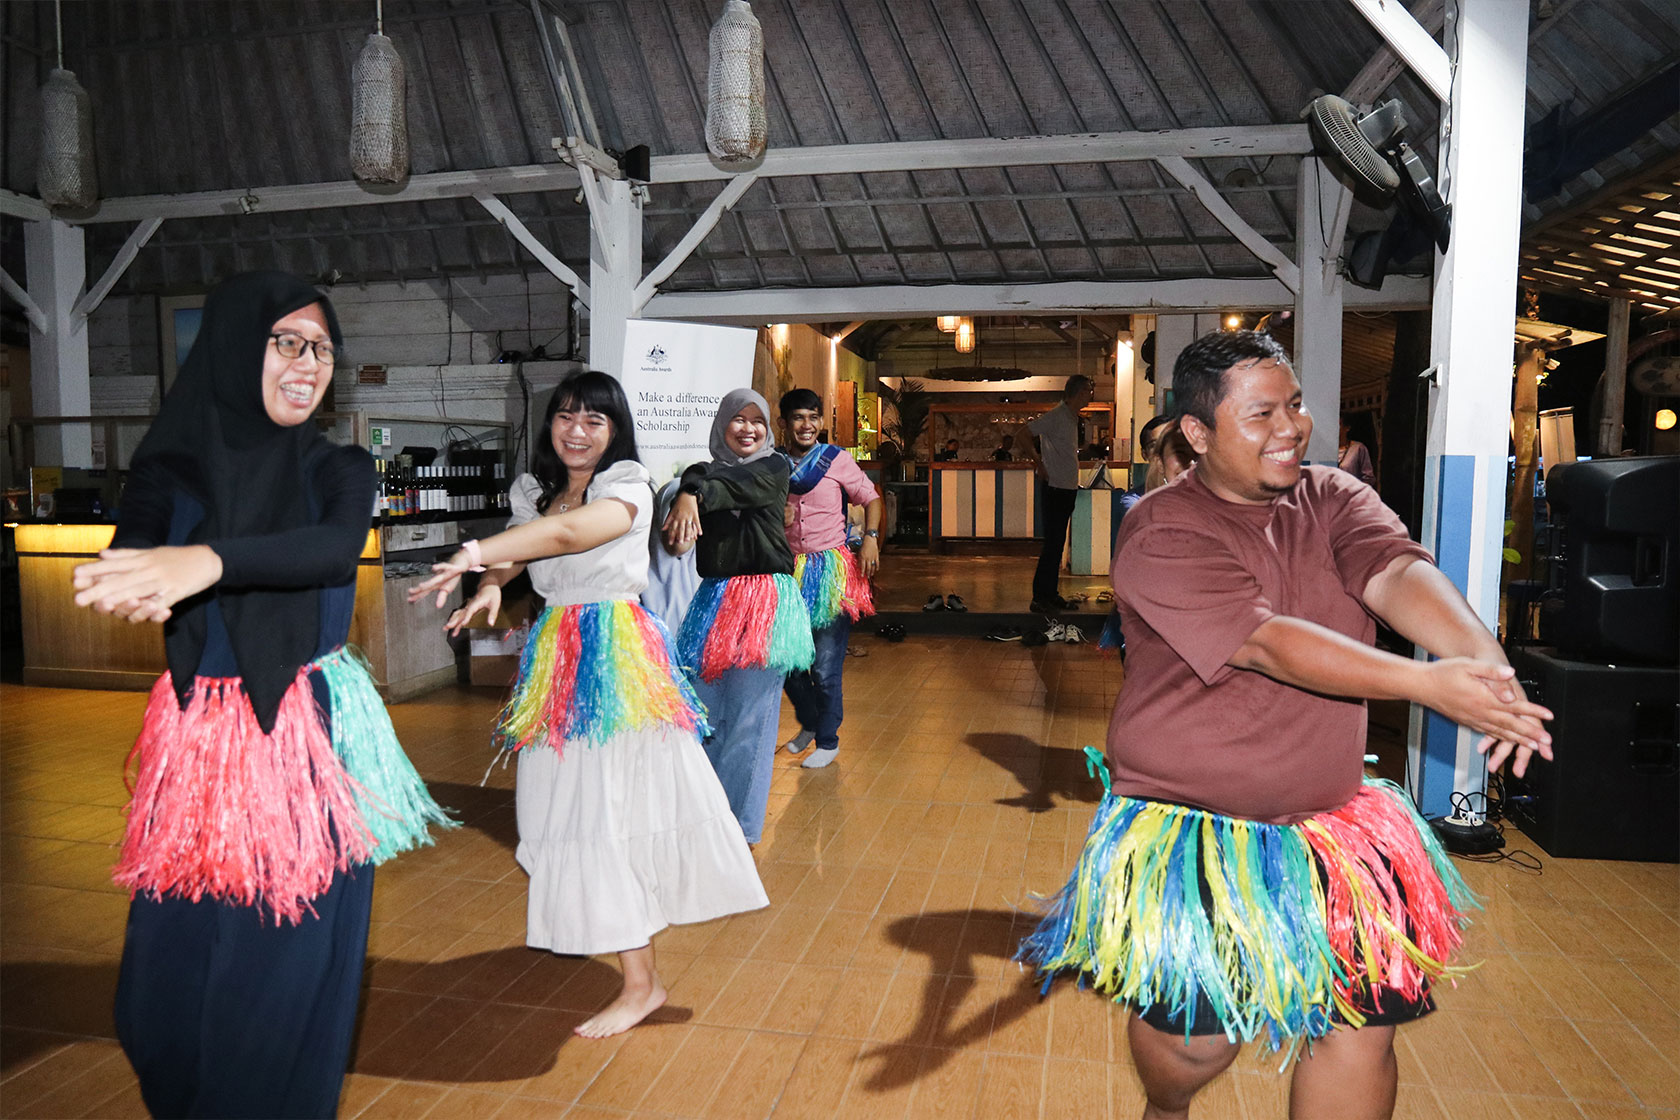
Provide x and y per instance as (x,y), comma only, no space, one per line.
(436,468)
(440,491)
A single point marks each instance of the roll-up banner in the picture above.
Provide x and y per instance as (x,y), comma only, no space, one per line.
(674,375)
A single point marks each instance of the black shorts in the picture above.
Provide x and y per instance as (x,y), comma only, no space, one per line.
(1381,1007)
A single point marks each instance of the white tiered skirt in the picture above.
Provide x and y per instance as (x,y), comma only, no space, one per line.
(624,838)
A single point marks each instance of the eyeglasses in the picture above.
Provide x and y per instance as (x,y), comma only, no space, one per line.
(292,346)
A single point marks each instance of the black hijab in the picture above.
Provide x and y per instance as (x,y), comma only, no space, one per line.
(213,438)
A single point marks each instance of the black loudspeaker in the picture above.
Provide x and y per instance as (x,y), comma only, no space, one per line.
(1619,567)
(1612,790)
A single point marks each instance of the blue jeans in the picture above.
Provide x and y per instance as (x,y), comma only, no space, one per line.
(743,706)
(817,696)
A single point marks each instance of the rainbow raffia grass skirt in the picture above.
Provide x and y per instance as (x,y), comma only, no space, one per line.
(832,584)
(1286,930)
(746,622)
(222,810)
(592,671)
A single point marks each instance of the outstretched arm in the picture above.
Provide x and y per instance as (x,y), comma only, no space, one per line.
(1471,685)
(578,530)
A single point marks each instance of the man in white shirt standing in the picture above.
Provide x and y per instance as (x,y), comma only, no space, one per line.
(1053,447)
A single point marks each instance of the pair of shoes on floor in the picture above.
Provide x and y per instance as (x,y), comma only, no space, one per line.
(856,651)
(800,741)
(891,631)
(819,758)
(1004,634)
(952,602)
(1058,631)
(1055,603)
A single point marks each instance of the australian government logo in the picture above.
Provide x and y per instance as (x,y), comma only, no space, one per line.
(656,360)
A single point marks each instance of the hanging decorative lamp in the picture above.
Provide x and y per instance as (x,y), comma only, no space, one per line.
(965,336)
(65,174)
(736,124)
(378,115)
(948,323)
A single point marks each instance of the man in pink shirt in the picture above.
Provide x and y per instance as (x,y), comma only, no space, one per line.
(834,581)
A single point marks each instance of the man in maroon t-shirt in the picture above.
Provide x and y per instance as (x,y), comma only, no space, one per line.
(1248,588)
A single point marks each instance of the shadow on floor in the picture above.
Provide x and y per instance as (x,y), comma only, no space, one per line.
(1048,775)
(985,938)
(480,808)
(441,1022)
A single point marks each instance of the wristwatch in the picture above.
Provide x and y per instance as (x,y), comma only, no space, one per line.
(872,532)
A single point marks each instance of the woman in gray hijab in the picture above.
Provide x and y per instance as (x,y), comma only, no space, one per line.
(747,627)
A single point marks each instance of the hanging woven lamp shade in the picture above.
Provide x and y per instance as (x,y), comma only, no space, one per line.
(65,175)
(736,125)
(965,335)
(378,119)
(947,323)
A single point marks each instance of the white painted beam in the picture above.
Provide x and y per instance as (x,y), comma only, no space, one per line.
(748,306)
(1011,151)
(1385,66)
(56,256)
(1193,143)
(1412,43)
(322,196)
(1282,267)
(1319,205)
(31,310)
(498,209)
(704,225)
(14,205)
(125,257)
(1470,347)
(615,264)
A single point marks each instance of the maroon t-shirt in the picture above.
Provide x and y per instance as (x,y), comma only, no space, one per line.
(1194,575)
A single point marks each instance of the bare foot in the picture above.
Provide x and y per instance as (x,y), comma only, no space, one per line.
(630,1008)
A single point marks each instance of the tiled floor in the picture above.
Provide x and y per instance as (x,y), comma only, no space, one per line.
(878,982)
(990,578)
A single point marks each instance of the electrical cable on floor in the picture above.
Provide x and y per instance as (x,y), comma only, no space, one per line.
(1493,812)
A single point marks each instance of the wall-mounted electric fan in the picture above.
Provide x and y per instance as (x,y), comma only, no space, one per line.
(1370,150)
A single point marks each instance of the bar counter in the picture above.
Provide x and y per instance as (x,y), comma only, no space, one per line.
(999,501)
(67,646)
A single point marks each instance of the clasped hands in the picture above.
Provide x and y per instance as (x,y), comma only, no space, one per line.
(1485,696)
(144,584)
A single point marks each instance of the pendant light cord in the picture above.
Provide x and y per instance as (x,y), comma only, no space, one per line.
(379,16)
(58,18)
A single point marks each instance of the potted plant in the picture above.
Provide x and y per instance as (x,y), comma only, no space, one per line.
(910,403)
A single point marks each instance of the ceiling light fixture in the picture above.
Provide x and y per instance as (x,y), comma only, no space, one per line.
(65,174)
(737,128)
(378,116)
(947,323)
(966,336)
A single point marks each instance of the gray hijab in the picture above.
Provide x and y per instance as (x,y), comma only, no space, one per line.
(733,402)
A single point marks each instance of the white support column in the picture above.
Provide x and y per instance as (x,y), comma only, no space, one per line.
(1172,334)
(1321,209)
(1125,394)
(615,266)
(56,259)
(1470,348)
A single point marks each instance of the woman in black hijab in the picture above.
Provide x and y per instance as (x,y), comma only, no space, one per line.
(268,780)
